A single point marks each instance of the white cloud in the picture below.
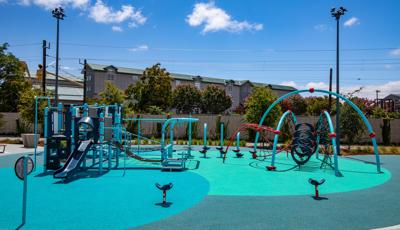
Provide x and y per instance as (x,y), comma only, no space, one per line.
(117,29)
(139,48)
(321,27)
(395,52)
(101,13)
(3,1)
(352,22)
(289,83)
(368,91)
(317,85)
(388,66)
(215,19)
(51,4)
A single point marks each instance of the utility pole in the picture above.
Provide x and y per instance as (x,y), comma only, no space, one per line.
(377,97)
(84,81)
(58,13)
(44,66)
(337,13)
(330,89)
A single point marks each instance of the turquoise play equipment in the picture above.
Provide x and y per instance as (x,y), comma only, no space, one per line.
(205,136)
(307,139)
(35,124)
(139,135)
(168,161)
(170,157)
(221,139)
(237,150)
(324,115)
(205,147)
(78,133)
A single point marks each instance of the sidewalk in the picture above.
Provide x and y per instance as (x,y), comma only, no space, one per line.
(18,149)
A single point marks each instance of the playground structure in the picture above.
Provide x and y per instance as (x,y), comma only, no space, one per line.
(79,133)
(93,137)
(307,138)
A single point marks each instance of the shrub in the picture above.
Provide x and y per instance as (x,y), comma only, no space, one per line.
(386,131)
(351,124)
(218,128)
(155,110)
(111,94)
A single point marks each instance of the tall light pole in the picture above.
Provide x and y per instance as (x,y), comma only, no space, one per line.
(337,13)
(58,13)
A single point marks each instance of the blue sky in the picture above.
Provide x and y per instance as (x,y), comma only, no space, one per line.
(281,42)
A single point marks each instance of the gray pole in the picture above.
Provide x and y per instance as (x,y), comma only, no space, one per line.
(337,13)
(58,13)
(25,190)
(84,81)
(337,89)
(44,68)
(57,46)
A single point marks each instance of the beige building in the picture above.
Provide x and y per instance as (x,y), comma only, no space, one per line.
(122,77)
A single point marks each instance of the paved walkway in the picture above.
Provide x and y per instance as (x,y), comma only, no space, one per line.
(17,149)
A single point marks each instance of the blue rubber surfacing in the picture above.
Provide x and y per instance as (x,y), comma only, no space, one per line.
(106,202)
(114,201)
(249,177)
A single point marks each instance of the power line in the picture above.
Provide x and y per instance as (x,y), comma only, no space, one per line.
(25,44)
(205,49)
(353,62)
(222,50)
(275,62)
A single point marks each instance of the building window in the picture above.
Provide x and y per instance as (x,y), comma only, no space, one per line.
(177,82)
(134,78)
(88,77)
(197,84)
(88,88)
(110,77)
(230,88)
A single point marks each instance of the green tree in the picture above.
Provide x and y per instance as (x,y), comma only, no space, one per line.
(12,80)
(296,103)
(186,98)
(386,117)
(111,94)
(315,105)
(258,102)
(153,89)
(351,124)
(214,100)
(26,105)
